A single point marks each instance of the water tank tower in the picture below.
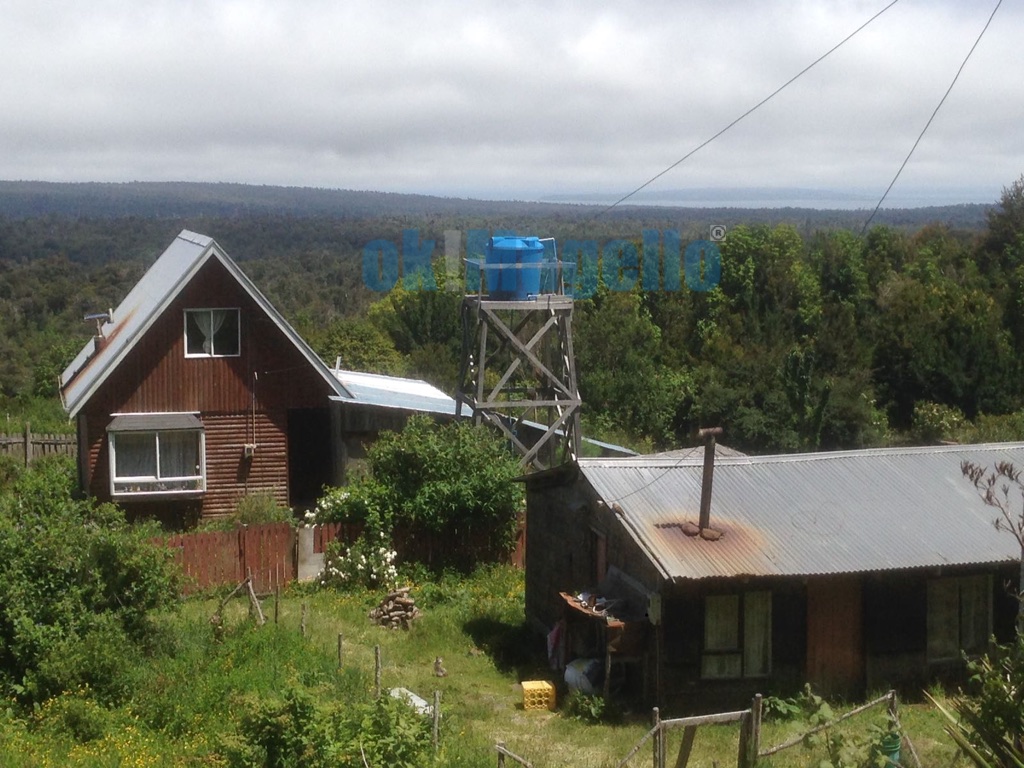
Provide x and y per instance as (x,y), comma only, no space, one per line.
(518,372)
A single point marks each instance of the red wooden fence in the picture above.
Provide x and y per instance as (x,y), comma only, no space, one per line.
(226,557)
(268,552)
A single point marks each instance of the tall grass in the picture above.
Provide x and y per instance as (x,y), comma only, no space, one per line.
(194,693)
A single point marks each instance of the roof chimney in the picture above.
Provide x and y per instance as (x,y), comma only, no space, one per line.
(704,521)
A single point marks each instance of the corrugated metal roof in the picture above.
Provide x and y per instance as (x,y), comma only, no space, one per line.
(146,301)
(373,389)
(696,452)
(825,513)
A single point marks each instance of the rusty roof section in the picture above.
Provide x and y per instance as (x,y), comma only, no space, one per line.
(146,301)
(811,514)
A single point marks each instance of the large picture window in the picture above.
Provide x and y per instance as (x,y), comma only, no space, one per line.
(211,333)
(737,635)
(959,616)
(156,454)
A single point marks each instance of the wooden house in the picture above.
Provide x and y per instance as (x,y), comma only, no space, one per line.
(196,392)
(854,571)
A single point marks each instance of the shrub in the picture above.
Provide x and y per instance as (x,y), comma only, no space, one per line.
(79,584)
(299,732)
(367,562)
(990,726)
(590,708)
(443,476)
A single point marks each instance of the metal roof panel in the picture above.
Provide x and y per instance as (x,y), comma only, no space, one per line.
(827,513)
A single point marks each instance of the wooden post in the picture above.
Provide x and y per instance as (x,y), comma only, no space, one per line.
(277,603)
(28,443)
(376,671)
(501,755)
(302,623)
(743,758)
(656,741)
(339,650)
(437,718)
(755,729)
(689,732)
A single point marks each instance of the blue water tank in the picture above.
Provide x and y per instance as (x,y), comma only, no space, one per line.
(506,282)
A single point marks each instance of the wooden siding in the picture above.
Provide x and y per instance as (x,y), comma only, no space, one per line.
(835,640)
(229,475)
(243,399)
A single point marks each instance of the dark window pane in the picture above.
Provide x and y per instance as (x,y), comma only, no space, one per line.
(225,340)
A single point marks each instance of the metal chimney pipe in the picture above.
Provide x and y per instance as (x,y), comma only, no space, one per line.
(709,472)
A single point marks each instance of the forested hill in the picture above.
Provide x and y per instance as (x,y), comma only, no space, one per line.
(162,200)
(817,335)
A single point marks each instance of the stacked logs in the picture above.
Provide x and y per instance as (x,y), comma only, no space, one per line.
(395,611)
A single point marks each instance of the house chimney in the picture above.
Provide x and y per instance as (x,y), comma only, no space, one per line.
(709,435)
(99,340)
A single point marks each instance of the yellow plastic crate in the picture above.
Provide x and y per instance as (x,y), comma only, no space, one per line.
(538,694)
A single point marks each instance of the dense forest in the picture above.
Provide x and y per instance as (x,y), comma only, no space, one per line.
(819,335)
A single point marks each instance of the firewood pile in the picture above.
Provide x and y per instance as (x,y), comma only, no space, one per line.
(396,611)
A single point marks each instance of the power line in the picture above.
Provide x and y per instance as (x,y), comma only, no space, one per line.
(934,113)
(757,106)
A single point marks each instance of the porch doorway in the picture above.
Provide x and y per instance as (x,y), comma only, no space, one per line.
(309,456)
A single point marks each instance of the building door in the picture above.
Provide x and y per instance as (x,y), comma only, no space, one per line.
(835,636)
(309,455)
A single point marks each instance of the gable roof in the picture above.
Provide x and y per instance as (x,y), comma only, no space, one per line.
(147,300)
(811,514)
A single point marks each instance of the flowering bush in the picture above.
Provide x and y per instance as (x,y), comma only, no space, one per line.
(364,500)
(368,562)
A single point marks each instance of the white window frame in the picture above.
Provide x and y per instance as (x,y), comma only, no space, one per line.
(950,630)
(128,486)
(730,647)
(211,310)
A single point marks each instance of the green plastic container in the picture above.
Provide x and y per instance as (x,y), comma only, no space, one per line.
(889,748)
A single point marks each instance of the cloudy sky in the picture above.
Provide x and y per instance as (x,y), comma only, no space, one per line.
(527,100)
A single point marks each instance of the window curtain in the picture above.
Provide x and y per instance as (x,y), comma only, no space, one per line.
(975,613)
(721,635)
(135,454)
(209,323)
(943,620)
(757,633)
(179,454)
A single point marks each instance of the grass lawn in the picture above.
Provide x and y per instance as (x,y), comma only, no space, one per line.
(190,697)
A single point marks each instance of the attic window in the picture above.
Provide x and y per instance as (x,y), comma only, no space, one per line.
(212,333)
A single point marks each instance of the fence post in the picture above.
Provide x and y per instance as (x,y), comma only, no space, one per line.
(339,650)
(743,758)
(437,717)
(501,755)
(656,741)
(755,730)
(376,671)
(28,443)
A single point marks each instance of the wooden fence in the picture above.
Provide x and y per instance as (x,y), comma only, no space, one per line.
(28,446)
(219,558)
(270,554)
(749,752)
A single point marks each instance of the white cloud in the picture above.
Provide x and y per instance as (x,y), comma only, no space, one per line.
(527,99)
